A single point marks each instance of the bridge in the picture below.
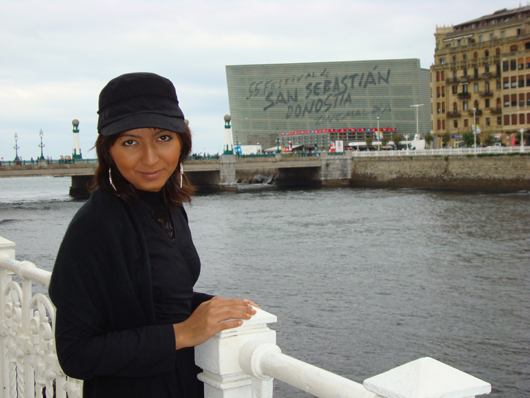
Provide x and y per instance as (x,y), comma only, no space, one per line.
(220,173)
(481,169)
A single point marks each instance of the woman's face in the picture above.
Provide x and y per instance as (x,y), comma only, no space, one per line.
(146,157)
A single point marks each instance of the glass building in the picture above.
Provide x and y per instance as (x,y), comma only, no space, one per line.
(315,103)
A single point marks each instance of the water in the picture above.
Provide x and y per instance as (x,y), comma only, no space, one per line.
(361,280)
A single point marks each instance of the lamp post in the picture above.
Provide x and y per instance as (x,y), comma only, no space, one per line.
(475,128)
(41,145)
(16,147)
(228,136)
(417,118)
(277,140)
(407,142)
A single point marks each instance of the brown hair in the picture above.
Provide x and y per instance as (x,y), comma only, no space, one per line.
(172,193)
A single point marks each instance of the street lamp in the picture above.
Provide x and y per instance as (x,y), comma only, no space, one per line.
(475,128)
(16,147)
(417,118)
(228,136)
(41,145)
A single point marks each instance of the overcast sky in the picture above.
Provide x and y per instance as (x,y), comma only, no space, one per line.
(56,56)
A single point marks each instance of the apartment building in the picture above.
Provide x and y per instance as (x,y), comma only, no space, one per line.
(481,77)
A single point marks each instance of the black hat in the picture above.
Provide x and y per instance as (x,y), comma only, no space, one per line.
(138,100)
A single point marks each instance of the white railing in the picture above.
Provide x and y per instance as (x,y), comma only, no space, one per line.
(444,151)
(28,363)
(236,363)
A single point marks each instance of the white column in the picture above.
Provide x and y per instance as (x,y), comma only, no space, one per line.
(7,250)
(219,359)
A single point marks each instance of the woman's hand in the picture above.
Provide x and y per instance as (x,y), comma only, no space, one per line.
(211,317)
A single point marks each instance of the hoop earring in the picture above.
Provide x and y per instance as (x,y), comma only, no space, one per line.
(181,173)
(110,180)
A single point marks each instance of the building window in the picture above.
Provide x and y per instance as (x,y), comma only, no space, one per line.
(459,42)
(499,84)
(466,123)
(520,63)
(513,48)
(491,36)
(439,125)
(455,123)
(527,99)
(514,119)
(475,87)
(464,88)
(506,120)
(527,62)
(486,53)
(454,58)
(514,82)
(443,107)
(521,118)
(488,122)
(506,101)
(521,81)
(487,68)
(521,99)
(527,80)
(506,83)
(513,64)
(502,34)
(487,87)
(514,99)
(454,75)
(443,91)
(475,72)
(442,75)
(487,103)
(464,105)
(480,39)
(475,55)
(437,76)
(505,66)
(442,60)
(455,89)
(464,57)
(499,120)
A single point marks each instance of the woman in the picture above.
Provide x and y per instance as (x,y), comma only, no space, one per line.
(127,316)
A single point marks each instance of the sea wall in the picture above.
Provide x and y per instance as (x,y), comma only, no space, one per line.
(505,173)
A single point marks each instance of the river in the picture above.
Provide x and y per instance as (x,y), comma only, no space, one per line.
(361,280)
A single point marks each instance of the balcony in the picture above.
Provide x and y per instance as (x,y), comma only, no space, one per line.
(454,113)
(485,93)
(464,78)
(496,111)
(487,75)
(464,95)
(450,80)
(478,112)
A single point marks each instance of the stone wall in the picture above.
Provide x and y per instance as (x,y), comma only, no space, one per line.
(464,173)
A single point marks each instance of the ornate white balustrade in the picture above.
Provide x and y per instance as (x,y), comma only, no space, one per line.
(236,363)
(28,364)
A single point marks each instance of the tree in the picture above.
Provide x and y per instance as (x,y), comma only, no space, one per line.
(446,138)
(489,139)
(429,139)
(368,142)
(384,141)
(397,139)
(468,139)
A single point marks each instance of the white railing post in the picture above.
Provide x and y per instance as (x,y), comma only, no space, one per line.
(219,359)
(7,250)
(426,378)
